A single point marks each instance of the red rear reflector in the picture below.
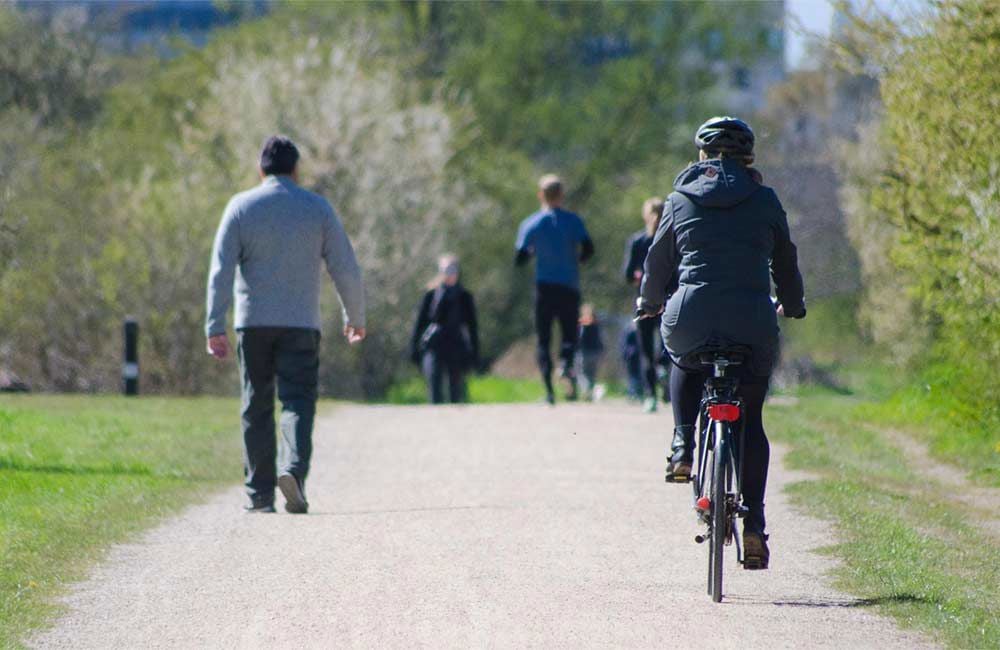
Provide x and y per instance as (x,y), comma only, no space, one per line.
(703,504)
(724,412)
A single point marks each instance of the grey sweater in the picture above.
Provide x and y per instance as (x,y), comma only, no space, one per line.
(272,241)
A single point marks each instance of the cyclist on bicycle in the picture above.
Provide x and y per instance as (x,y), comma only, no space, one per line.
(725,233)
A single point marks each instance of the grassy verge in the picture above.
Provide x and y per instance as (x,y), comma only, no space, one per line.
(483,389)
(80,472)
(907,547)
(955,410)
(939,411)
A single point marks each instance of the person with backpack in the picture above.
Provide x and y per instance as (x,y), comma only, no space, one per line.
(445,340)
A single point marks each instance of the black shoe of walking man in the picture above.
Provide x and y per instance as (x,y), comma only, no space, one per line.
(294,493)
(259,506)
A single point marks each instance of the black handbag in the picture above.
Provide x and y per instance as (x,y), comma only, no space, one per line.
(432,333)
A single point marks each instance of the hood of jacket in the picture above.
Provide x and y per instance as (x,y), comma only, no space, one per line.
(716,183)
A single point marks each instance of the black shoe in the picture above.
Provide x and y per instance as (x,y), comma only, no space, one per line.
(681,455)
(255,507)
(295,497)
(756,555)
(550,393)
(571,391)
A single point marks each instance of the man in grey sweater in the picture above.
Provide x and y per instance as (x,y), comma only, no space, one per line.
(272,241)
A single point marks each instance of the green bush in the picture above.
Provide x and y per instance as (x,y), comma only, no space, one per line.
(925,216)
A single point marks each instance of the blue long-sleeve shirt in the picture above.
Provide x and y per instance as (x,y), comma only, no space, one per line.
(559,241)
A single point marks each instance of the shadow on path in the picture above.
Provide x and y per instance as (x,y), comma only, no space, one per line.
(825,602)
(351,513)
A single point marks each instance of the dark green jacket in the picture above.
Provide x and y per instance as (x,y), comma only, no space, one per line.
(727,236)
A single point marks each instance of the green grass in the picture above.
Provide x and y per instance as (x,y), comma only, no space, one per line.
(80,472)
(907,547)
(939,410)
(483,389)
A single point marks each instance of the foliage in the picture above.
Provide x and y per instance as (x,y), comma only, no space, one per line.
(925,204)
(56,75)
(426,124)
(79,473)
(939,411)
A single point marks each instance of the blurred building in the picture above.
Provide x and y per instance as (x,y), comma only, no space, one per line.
(744,85)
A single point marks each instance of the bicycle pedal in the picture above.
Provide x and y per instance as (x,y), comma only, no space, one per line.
(678,479)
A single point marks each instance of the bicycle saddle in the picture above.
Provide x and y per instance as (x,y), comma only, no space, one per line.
(734,355)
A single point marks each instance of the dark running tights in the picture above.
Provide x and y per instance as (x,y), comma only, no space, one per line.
(686,388)
(555,302)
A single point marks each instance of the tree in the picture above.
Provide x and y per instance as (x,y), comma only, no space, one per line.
(426,125)
(934,199)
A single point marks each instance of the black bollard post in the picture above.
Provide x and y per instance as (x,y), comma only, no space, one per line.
(130,368)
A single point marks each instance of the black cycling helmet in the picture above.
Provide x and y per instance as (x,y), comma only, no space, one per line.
(725,135)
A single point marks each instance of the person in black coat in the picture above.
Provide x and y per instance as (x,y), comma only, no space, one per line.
(635,257)
(445,341)
(727,236)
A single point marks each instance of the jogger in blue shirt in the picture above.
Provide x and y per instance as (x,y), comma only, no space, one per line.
(558,241)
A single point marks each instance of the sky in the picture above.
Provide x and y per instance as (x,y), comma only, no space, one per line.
(805,17)
(813,16)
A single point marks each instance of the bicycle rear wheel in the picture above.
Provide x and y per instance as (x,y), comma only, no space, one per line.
(720,520)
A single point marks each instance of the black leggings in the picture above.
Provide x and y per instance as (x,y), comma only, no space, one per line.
(686,388)
(556,302)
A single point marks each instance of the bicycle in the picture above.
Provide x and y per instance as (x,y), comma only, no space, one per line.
(717,481)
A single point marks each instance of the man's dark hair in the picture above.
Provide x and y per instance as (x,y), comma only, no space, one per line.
(278,156)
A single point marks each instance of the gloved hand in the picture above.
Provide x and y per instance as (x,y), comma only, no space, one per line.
(645,310)
(780,309)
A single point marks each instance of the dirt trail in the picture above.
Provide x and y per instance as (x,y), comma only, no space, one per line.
(982,503)
(486,526)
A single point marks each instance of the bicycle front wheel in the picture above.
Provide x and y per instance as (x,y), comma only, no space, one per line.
(720,520)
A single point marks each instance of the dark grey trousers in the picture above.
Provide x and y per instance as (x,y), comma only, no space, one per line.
(435,368)
(288,357)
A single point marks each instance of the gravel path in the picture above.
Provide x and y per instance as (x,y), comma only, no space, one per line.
(486,526)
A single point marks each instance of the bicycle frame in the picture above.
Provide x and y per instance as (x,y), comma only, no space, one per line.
(720,431)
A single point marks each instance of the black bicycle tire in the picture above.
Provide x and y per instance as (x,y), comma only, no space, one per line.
(720,523)
(707,492)
(705,456)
